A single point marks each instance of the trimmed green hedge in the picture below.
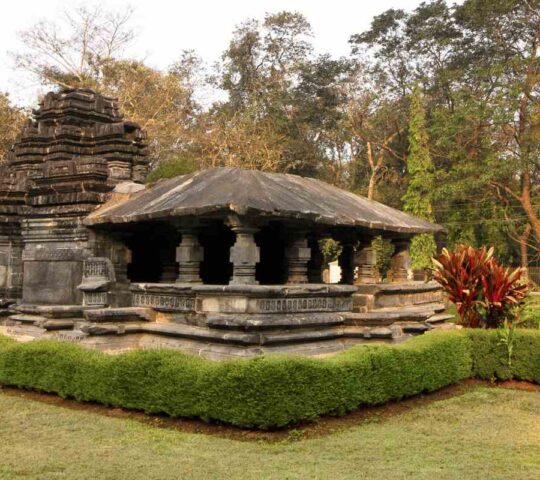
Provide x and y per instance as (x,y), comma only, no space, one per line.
(265,392)
(490,357)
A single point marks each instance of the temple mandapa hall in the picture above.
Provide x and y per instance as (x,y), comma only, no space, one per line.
(223,262)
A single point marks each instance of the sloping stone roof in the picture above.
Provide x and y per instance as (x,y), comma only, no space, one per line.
(252,192)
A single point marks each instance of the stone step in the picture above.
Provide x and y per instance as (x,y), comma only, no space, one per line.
(389,315)
(439,318)
(60,324)
(43,322)
(268,322)
(106,328)
(196,333)
(123,314)
(244,338)
(211,335)
(26,318)
(52,311)
(433,306)
(380,318)
(415,328)
(374,333)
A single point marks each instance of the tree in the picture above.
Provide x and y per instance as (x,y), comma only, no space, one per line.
(84,50)
(375,127)
(417,200)
(503,39)
(282,100)
(162,103)
(11,121)
(73,52)
(478,64)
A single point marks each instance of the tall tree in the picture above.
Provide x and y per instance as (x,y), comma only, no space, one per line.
(375,129)
(11,121)
(280,93)
(73,51)
(162,103)
(503,40)
(478,63)
(418,198)
(84,49)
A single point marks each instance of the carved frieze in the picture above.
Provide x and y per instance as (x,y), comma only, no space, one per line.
(164,302)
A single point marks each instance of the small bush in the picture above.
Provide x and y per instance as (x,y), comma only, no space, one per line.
(269,391)
(490,356)
(530,315)
(171,168)
(485,293)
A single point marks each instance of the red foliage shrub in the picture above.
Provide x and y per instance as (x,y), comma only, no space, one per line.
(483,291)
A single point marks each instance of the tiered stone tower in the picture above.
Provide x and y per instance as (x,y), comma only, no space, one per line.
(63,165)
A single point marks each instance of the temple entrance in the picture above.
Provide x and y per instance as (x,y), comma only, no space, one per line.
(153,253)
(271,268)
(217,240)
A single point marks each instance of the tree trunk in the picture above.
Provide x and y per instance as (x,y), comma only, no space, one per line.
(528,207)
(523,247)
(372,185)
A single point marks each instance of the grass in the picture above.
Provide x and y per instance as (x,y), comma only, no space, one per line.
(484,433)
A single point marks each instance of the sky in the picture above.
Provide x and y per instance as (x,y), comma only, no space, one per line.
(165,28)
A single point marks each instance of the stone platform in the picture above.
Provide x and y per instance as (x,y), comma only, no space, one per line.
(226,321)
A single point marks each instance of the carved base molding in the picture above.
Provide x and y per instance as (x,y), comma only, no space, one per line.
(243,298)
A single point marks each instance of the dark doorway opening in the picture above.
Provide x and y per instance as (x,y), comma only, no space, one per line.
(153,252)
(217,240)
(271,268)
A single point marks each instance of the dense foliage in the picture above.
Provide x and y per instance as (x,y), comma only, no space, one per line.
(11,122)
(484,292)
(435,110)
(271,391)
(530,315)
(418,198)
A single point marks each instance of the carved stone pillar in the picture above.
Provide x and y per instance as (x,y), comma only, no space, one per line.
(189,255)
(315,265)
(364,261)
(297,255)
(400,263)
(244,255)
(167,260)
(168,272)
(346,262)
(121,258)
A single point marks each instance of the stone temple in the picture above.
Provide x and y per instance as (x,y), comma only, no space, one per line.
(223,262)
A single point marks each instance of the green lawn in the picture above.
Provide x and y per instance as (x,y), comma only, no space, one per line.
(484,433)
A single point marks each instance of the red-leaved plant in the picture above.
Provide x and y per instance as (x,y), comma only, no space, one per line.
(483,291)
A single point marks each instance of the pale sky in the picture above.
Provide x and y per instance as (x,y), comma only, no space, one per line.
(168,27)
